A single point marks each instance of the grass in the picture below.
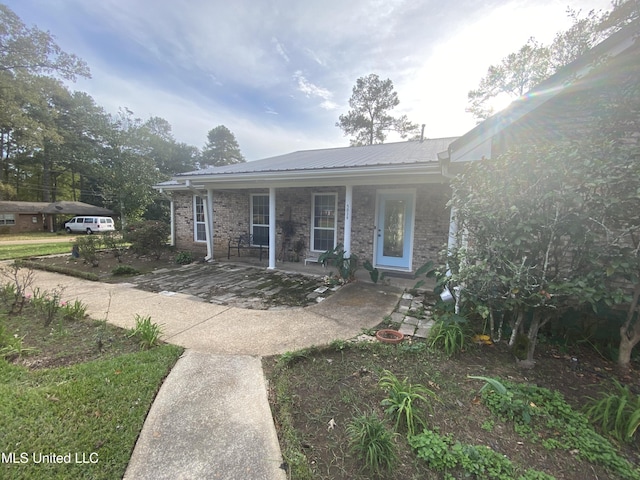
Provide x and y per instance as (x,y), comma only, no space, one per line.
(11,252)
(72,387)
(91,410)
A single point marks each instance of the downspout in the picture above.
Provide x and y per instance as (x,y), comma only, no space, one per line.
(172,212)
(209,225)
(272,228)
(348,202)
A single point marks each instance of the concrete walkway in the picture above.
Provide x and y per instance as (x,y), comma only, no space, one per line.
(211,418)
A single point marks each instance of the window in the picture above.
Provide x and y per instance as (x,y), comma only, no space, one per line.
(260,218)
(323,234)
(7,219)
(199,229)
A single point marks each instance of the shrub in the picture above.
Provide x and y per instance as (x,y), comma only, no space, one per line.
(14,293)
(124,270)
(47,304)
(114,241)
(346,266)
(148,237)
(184,258)
(372,442)
(88,248)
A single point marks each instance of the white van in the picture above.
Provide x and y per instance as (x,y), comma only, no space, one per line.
(89,225)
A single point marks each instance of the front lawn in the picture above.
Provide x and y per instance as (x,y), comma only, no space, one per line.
(75,392)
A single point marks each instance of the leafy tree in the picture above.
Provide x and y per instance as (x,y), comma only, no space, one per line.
(126,170)
(221,148)
(518,72)
(369,119)
(555,225)
(29,49)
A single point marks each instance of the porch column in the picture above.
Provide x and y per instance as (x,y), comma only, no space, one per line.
(272,228)
(208,225)
(348,201)
(453,232)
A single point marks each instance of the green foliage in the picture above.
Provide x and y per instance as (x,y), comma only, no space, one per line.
(47,304)
(448,333)
(222,148)
(114,241)
(11,346)
(88,247)
(14,293)
(374,273)
(148,237)
(617,413)
(428,270)
(533,409)
(73,311)
(124,270)
(369,118)
(443,454)
(401,400)
(372,442)
(493,383)
(147,332)
(184,258)
(347,267)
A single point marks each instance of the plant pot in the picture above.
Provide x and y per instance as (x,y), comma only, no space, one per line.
(387,335)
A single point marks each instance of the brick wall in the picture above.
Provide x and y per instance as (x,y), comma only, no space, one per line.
(232,212)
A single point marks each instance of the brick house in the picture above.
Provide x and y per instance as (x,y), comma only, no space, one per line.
(385,203)
(20,217)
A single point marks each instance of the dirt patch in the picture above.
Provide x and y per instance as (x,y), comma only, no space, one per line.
(330,386)
(65,342)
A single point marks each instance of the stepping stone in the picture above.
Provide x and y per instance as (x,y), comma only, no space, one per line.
(407,329)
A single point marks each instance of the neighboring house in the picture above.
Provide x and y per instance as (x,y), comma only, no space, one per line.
(18,217)
(385,203)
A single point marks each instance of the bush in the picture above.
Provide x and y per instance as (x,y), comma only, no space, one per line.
(88,248)
(184,258)
(447,333)
(148,237)
(124,270)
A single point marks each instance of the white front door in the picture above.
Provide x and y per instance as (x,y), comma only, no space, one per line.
(394,229)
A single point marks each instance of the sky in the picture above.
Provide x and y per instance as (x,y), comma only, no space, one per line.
(278,73)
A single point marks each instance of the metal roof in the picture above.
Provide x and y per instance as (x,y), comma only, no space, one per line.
(399,153)
(61,208)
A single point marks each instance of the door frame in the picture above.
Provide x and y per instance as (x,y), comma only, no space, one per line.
(411,233)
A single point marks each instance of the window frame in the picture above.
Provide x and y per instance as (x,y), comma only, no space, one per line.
(252,225)
(7,219)
(312,243)
(198,200)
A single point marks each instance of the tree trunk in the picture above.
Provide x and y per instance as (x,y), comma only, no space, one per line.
(516,327)
(629,331)
(533,335)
